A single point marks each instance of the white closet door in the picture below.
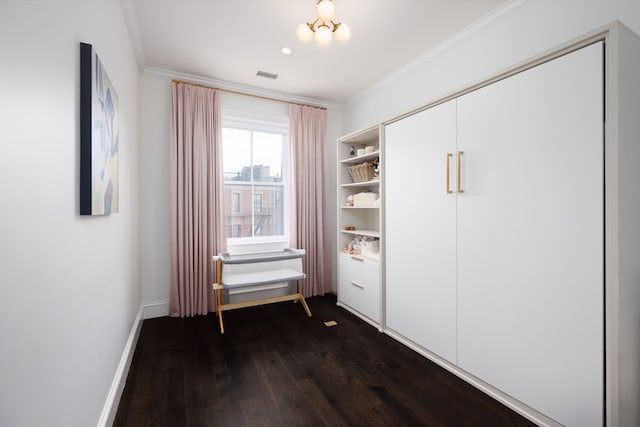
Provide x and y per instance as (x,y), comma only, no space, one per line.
(420,229)
(530,236)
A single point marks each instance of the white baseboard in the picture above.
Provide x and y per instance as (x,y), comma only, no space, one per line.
(155,309)
(110,408)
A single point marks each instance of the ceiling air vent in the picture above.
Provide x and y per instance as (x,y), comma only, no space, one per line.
(266,75)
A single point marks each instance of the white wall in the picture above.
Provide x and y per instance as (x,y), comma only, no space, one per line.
(70,290)
(155,108)
(155,93)
(522,30)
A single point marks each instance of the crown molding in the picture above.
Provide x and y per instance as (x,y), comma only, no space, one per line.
(238,87)
(443,46)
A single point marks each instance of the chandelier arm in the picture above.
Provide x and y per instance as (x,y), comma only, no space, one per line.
(312,26)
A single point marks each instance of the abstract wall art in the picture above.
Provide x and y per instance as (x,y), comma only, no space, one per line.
(98,137)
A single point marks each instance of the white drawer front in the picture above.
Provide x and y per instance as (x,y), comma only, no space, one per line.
(359,286)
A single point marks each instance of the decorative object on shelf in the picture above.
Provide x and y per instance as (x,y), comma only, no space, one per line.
(376,168)
(323,27)
(348,249)
(349,228)
(349,200)
(361,152)
(366,246)
(369,149)
(352,151)
(361,172)
(370,247)
(98,137)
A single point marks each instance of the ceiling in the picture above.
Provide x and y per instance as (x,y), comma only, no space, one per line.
(229,40)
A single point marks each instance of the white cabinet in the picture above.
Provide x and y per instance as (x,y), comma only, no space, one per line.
(360,285)
(530,229)
(359,224)
(494,233)
(420,229)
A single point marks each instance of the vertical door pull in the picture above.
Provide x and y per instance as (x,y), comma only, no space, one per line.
(447,173)
(459,167)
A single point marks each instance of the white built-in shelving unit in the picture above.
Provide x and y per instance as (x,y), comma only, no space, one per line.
(359,273)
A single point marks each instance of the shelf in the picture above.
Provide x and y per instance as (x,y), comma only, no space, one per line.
(360,159)
(361,207)
(262,277)
(362,184)
(368,233)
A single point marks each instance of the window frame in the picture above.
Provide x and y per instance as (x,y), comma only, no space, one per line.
(265,126)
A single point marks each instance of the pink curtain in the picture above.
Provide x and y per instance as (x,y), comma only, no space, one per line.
(309,219)
(196,194)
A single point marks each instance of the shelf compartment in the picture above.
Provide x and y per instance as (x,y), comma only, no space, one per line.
(360,159)
(368,233)
(371,183)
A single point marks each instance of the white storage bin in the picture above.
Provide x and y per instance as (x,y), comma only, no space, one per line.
(365,199)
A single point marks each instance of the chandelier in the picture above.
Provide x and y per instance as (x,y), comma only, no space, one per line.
(323,28)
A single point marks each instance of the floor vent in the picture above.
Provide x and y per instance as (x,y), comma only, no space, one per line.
(266,75)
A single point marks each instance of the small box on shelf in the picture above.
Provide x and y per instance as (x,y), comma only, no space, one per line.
(365,199)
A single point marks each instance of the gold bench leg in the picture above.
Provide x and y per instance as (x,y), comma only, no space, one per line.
(219,309)
(301,297)
(219,295)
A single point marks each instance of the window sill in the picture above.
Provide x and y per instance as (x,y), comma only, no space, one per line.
(257,244)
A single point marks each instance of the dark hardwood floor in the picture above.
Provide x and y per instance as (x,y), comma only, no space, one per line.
(274,366)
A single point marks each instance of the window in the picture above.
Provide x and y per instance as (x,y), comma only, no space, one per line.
(256,170)
(236,202)
(257,202)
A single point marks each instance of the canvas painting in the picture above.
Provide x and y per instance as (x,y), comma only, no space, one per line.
(98,137)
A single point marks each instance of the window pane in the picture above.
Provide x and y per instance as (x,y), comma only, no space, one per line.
(236,154)
(267,156)
(269,219)
(238,205)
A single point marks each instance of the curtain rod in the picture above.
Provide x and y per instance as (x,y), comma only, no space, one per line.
(235,92)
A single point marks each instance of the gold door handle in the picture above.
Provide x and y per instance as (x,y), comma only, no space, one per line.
(447,172)
(459,170)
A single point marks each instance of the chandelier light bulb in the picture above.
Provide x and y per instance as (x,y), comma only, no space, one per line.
(323,26)
(326,10)
(323,35)
(304,33)
(343,32)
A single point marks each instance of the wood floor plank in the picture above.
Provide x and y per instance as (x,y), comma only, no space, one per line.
(274,366)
